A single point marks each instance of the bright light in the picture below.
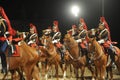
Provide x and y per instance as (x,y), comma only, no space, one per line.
(75,10)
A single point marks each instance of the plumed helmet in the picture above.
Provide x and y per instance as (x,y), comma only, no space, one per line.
(55,23)
(33,27)
(3,14)
(82,23)
(104,23)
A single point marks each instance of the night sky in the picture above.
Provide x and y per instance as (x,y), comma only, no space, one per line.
(43,12)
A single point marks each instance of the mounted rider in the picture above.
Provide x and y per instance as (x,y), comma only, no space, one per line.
(56,37)
(104,38)
(81,39)
(6,37)
(32,37)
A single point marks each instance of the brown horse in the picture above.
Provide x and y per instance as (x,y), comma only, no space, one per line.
(52,56)
(27,60)
(100,59)
(76,60)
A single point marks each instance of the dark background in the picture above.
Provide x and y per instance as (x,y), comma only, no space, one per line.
(43,12)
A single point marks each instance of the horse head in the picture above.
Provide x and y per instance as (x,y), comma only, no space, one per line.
(68,39)
(94,48)
(45,39)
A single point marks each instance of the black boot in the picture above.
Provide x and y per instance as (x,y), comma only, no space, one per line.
(62,55)
(88,60)
(112,56)
(4,64)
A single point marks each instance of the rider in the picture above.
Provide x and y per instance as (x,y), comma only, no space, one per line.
(105,38)
(32,38)
(56,37)
(5,37)
(74,31)
(82,32)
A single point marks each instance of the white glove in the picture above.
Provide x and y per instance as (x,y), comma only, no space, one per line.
(101,41)
(7,32)
(54,41)
(79,40)
(30,42)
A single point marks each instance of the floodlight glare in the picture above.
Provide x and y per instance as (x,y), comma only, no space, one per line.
(75,10)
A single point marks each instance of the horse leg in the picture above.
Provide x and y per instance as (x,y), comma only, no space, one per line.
(96,72)
(71,70)
(111,73)
(64,72)
(35,73)
(82,72)
(20,72)
(76,73)
(118,64)
(107,71)
(56,68)
(102,72)
(46,71)
(4,76)
(28,72)
(92,71)
(13,75)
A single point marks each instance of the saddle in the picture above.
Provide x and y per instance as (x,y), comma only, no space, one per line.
(106,45)
(16,51)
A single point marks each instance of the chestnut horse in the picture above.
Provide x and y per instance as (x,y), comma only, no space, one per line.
(76,60)
(27,60)
(52,56)
(99,56)
(100,59)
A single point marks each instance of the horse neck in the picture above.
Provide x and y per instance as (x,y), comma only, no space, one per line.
(98,48)
(74,49)
(51,50)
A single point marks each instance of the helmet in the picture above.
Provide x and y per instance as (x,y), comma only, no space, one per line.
(33,27)
(55,23)
(55,26)
(82,23)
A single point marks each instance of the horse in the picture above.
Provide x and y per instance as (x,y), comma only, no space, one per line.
(26,61)
(52,56)
(100,58)
(76,60)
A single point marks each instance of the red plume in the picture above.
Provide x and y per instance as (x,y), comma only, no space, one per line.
(3,14)
(106,26)
(33,27)
(83,22)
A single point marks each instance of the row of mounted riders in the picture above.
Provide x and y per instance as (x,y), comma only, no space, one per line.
(80,34)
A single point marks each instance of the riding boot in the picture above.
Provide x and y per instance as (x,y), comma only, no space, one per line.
(4,63)
(112,56)
(86,54)
(62,54)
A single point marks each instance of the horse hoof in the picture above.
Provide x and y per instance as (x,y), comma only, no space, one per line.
(93,78)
